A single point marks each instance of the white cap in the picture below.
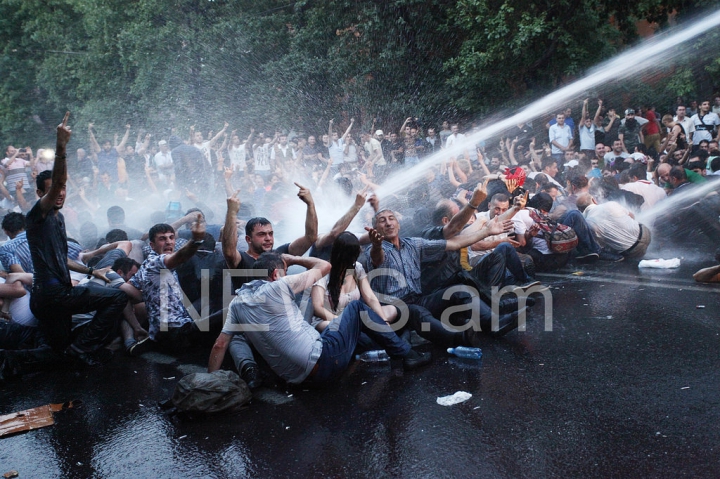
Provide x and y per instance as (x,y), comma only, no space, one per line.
(571,164)
(379,133)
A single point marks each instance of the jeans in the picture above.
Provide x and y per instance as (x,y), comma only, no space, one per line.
(425,309)
(341,336)
(586,239)
(54,306)
(490,270)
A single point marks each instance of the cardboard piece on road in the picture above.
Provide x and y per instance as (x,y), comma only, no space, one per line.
(34,418)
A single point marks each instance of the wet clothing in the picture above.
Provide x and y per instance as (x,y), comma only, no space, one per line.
(406,262)
(162,295)
(292,348)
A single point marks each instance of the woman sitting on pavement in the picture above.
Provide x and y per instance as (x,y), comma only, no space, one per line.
(346,282)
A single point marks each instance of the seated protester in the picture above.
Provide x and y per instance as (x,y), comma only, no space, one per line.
(346,282)
(15,299)
(260,238)
(615,228)
(703,211)
(714,166)
(494,260)
(23,350)
(609,189)
(122,269)
(206,261)
(698,167)
(265,310)
(640,185)
(54,298)
(116,220)
(533,242)
(390,251)
(172,329)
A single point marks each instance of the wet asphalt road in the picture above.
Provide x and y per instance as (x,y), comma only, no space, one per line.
(627,384)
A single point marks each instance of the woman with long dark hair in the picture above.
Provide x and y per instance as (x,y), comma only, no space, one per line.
(346,282)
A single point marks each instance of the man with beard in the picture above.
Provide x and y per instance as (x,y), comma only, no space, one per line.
(630,132)
(107,156)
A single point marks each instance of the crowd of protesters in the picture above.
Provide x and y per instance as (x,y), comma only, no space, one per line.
(145,224)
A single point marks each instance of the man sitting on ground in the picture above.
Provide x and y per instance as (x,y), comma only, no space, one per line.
(265,310)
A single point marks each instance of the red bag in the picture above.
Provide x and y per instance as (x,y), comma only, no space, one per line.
(560,238)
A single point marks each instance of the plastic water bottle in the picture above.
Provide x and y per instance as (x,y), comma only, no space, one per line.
(377,356)
(466,352)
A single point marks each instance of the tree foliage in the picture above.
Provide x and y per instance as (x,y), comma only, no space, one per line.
(164,63)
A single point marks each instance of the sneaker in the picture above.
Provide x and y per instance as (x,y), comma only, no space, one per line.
(140,347)
(610,256)
(414,360)
(529,284)
(587,258)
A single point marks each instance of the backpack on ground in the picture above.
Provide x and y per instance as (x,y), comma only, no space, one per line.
(219,391)
(560,238)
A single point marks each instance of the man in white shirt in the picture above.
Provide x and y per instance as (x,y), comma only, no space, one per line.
(640,185)
(560,136)
(706,123)
(455,136)
(684,121)
(614,227)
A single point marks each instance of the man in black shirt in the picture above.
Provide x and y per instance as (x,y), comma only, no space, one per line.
(54,299)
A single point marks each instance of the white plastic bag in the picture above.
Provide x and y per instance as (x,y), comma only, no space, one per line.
(458,397)
(660,263)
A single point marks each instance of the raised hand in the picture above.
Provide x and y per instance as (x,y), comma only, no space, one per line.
(304,194)
(198,228)
(520,201)
(233,203)
(63,132)
(361,197)
(375,238)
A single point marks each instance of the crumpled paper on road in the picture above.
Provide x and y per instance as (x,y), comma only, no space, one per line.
(458,397)
(34,418)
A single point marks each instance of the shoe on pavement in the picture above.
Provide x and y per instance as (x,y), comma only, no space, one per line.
(610,256)
(414,360)
(139,348)
(587,258)
(252,377)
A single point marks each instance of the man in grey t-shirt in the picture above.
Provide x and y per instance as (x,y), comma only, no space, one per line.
(266,312)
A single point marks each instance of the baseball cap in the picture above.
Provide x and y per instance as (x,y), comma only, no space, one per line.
(629,111)
(379,133)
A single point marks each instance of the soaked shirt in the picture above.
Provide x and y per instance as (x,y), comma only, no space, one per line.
(276,327)
(162,295)
(402,273)
(48,246)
